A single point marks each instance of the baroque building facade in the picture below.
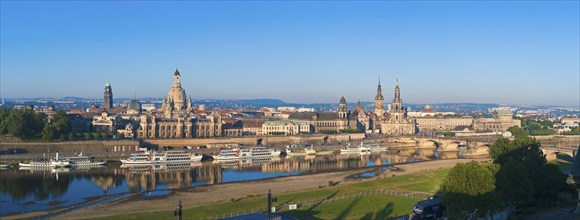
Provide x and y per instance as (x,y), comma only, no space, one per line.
(396,121)
(327,121)
(176,118)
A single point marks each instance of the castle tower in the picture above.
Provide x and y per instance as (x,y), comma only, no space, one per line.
(379,101)
(108,101)
(342,112)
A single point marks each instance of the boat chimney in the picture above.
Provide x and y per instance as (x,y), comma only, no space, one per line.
(56,155)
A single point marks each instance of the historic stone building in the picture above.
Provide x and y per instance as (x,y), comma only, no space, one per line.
(500,122)
(379,103)
(285,127)
(328,121)
(108,100)
(176,118)
(397,122)
(105,123)
(134,107)
(442,123)
(363,120)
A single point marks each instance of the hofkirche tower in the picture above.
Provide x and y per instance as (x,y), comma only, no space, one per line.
(398,123)
(379,101)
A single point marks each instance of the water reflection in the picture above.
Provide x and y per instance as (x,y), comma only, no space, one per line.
(32,189)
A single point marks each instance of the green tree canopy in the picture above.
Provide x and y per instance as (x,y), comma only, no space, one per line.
(59,126)
(514,184)
(517,132)
(525,153)
(469,190)
(24,123)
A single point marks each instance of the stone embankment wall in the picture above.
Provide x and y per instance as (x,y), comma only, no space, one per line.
(11,145)
(253,140)
(65,146)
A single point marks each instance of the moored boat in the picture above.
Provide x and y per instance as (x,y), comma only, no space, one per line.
(46,163)
(244,153)
(304,152)
(81,160)
(361,149)
(152,157)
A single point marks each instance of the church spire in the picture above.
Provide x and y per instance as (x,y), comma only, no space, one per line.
(397,91)
(379,91)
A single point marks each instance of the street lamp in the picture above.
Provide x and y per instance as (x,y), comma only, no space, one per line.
(178,211)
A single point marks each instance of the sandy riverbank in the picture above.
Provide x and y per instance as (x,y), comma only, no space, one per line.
(210,194)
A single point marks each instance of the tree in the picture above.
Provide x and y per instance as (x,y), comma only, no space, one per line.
(574,131)
(87,136)
(71,136)
(517,132)
(4,113)
(469,190)
(60,126)
(546,179)
(25,123)
(514,184)
(61,123)
(49,133)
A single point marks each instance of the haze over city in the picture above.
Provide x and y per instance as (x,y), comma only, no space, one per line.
(301,52)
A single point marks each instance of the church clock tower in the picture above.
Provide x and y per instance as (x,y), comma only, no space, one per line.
(108,102)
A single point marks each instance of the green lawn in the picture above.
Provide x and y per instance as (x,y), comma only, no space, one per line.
(370,207)
(358,208)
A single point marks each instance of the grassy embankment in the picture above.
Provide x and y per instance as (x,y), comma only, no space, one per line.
(366,207)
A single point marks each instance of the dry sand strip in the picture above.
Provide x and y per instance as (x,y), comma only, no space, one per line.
(210,194)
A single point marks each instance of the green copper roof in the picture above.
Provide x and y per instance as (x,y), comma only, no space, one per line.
(503,112)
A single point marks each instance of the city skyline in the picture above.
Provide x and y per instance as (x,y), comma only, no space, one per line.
(298,52)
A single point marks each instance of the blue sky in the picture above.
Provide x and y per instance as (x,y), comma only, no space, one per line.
(441,51)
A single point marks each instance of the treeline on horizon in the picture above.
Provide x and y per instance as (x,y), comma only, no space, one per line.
(27,124)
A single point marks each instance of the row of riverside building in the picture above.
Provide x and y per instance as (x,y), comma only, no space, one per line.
(177,118)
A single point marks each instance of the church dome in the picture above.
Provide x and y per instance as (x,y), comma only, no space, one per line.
(134,106)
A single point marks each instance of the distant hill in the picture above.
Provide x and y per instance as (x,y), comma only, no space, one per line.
(266,102)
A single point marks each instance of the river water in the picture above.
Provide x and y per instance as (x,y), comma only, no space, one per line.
(25,190)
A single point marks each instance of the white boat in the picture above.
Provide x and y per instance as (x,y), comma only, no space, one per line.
(305,152)
(360,150)
(81,160)
(4,165)
(152,157)
(248,162)
(46,163)
(245,153)
(377,148)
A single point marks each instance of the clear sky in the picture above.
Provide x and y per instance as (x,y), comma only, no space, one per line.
(441,51)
